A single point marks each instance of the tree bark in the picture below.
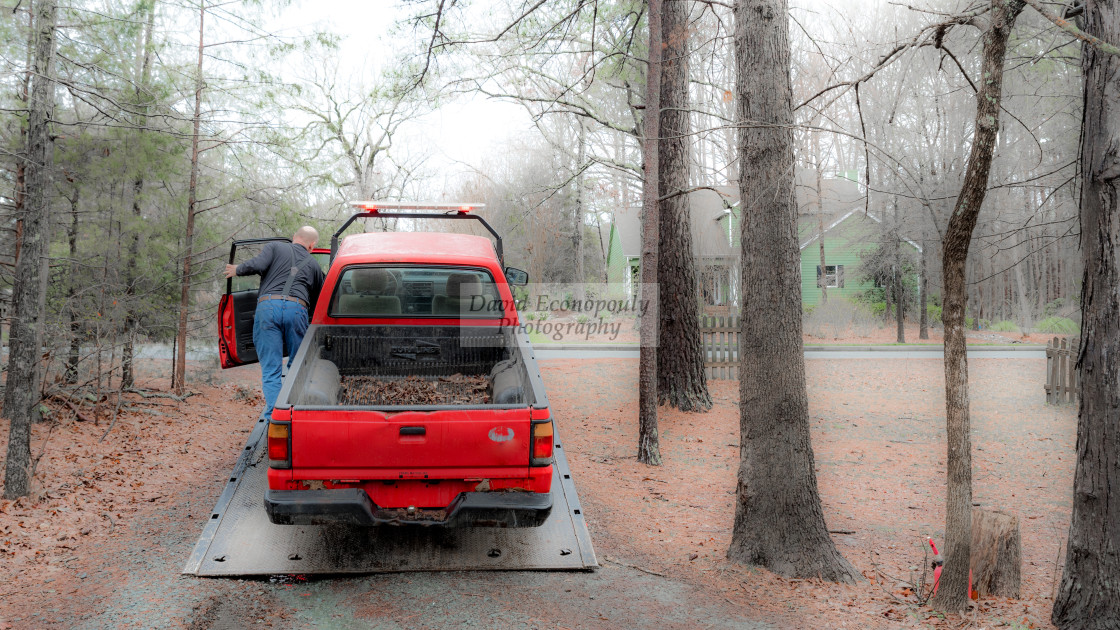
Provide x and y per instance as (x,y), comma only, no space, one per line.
(823,275)
(142,99)
(952,594)
(997,554)
(179,374)
(649,447)
(21,395)
(681,381)
(72,306)
(899,299)
(578,213)
(1089,596)
(779,523)
(923,289)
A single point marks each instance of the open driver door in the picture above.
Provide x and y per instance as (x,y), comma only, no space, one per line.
(238,305)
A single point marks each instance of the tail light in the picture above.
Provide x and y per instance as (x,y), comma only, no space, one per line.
(542,444)
(280,444)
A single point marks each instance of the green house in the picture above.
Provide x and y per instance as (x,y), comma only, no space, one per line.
(845,239)
(836,206)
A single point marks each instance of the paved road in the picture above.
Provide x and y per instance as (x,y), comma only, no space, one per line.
(590,351)
(812,352)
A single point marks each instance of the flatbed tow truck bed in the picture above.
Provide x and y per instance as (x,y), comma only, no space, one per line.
(239,540)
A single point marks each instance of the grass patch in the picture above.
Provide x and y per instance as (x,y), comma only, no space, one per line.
(1058,326)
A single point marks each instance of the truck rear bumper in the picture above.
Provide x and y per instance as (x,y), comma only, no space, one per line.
(352,506)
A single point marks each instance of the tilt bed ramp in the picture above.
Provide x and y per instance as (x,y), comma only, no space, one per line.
(412,431)
(240,540)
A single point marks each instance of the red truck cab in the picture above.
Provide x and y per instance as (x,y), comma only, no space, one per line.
(414,397)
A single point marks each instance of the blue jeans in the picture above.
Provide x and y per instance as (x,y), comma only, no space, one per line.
(277,323)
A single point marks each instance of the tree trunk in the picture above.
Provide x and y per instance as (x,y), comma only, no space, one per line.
(20,188)
(681,381)
(823,275)
(142,98)
(649,447)
(952,594)
(779,523)
(578,212)
(1089,596)
(21,395)
(72,306)
(923,289)
(899,298)
(179,374)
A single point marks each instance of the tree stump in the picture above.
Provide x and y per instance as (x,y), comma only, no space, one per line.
(996,553)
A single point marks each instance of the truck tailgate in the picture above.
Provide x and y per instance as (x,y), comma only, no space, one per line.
(370,444)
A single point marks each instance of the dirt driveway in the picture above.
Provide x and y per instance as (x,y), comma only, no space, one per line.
(113,522)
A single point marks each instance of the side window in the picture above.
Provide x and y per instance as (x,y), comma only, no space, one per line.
(246,283)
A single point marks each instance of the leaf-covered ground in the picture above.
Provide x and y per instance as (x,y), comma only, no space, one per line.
(102,541)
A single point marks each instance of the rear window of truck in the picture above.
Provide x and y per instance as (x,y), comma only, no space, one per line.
(378,291)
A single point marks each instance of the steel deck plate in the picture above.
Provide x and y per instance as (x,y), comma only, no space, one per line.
(239,540)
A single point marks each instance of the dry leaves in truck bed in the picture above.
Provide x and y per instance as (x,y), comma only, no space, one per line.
(456,389)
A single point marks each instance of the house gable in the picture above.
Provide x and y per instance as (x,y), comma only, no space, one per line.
(845,240)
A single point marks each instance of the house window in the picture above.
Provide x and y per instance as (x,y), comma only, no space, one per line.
(715,285)
(832,278)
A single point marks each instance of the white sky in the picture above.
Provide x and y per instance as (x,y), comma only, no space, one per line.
(461,132)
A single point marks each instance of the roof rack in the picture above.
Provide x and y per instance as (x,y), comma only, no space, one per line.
(406,210)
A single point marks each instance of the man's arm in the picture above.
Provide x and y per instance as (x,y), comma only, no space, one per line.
(255,265)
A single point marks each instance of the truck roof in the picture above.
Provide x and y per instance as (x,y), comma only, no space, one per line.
(417,247)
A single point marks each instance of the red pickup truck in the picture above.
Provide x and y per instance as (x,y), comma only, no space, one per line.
(414,397)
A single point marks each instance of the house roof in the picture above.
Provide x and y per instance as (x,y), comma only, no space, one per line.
(706,208)
(856,213)
(839,199)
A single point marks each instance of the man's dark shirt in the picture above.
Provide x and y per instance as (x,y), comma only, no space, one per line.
(275,262)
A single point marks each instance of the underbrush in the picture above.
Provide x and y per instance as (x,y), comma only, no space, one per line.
(837,317)
(1006,325)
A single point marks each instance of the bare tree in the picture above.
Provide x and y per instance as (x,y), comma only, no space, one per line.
(1089,596)
(681,381)
(179,373)
(649,446)
(779,523)
(952,593)
(21,395)
(143,85)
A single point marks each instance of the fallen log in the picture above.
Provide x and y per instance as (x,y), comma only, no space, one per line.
(77,413)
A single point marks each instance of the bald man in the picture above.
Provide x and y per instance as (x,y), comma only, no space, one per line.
(290,283)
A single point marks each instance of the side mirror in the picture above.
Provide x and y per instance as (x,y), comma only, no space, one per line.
(516,276)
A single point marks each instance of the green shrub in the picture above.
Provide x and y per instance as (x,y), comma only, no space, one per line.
(1053,307)
(969,321)
(543,315)
(1058,326)
(1004,326)
(933,313)
(530,316)
(583,319)
(878,309)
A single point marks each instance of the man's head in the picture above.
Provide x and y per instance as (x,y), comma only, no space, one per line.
(306,236)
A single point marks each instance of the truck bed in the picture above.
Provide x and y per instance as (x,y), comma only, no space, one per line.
(411,367)
(456,389)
